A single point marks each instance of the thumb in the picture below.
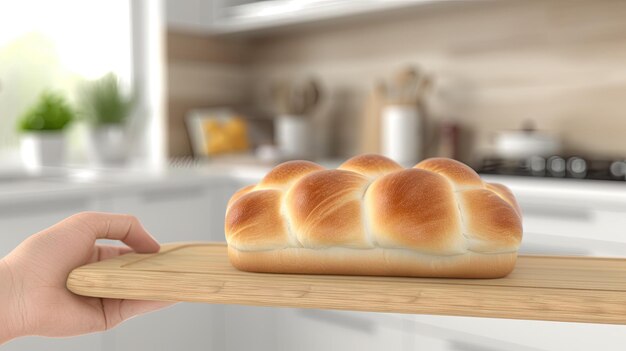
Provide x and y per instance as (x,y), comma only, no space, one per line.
(125,228)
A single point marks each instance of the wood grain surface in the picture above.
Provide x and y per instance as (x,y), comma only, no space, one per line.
(573,289)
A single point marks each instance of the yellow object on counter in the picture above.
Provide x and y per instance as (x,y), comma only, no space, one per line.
(226,136)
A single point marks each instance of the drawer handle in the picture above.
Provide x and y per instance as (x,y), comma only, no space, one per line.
(340,319)
(28,208)
(173,194)
(570,214)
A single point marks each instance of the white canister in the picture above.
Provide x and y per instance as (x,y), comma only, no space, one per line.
(293,136)
(401,134)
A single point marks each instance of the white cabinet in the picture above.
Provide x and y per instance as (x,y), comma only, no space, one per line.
(91,342)
(573,229)
(304,329)
(184,212)
(249,16)
(570,217)
(467,333)
(178,213)
(193,212)
(186,326)
(20,219)
(190,15)
(577,220)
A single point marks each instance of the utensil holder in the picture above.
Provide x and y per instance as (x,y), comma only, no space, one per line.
(293,136)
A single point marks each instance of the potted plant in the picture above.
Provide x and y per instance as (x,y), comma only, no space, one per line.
(107,108)
(42,125)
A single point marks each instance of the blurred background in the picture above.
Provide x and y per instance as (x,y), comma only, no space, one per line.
(163,109)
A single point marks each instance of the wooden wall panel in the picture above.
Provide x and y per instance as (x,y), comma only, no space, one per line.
(561,63)
(498,63)
(202,71)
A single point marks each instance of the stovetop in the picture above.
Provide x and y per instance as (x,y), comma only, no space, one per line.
(557,167)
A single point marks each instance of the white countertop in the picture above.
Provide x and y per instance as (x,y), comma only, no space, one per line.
(62,183)
(77,181)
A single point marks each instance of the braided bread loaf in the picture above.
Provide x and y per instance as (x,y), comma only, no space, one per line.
(373,217)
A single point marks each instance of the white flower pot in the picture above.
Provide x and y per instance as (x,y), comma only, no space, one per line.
(293,136)
(42,149)
(107,145)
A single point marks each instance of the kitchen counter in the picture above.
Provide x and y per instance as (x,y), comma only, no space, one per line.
(62,183)
(74,181)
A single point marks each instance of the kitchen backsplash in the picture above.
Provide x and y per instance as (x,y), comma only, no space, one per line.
(202,72)
(496,64)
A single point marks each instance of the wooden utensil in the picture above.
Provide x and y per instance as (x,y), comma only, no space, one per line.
(404,85)
(370,139)
(311,96)
(296,99)
(572,289)
(281,97)
(422,87)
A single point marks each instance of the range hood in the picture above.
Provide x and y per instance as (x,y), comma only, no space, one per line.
(242,16)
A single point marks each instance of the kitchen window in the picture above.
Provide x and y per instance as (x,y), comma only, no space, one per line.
(57,45)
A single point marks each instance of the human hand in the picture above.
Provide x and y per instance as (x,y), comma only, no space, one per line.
(33,297)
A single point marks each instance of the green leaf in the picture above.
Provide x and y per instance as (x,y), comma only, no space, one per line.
(104,102)
(51,112)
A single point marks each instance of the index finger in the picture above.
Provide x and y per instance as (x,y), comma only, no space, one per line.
(123,227)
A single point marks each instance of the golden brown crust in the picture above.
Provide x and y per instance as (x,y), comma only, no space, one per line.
(324,209)
(372,217)
(241,192)
(285,174)
(491,224)
(254,221)
(415,209)
(371,165)
(506,195)
(458,173)
(379,261)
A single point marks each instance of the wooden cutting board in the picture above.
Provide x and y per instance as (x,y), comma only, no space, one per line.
(573,289)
